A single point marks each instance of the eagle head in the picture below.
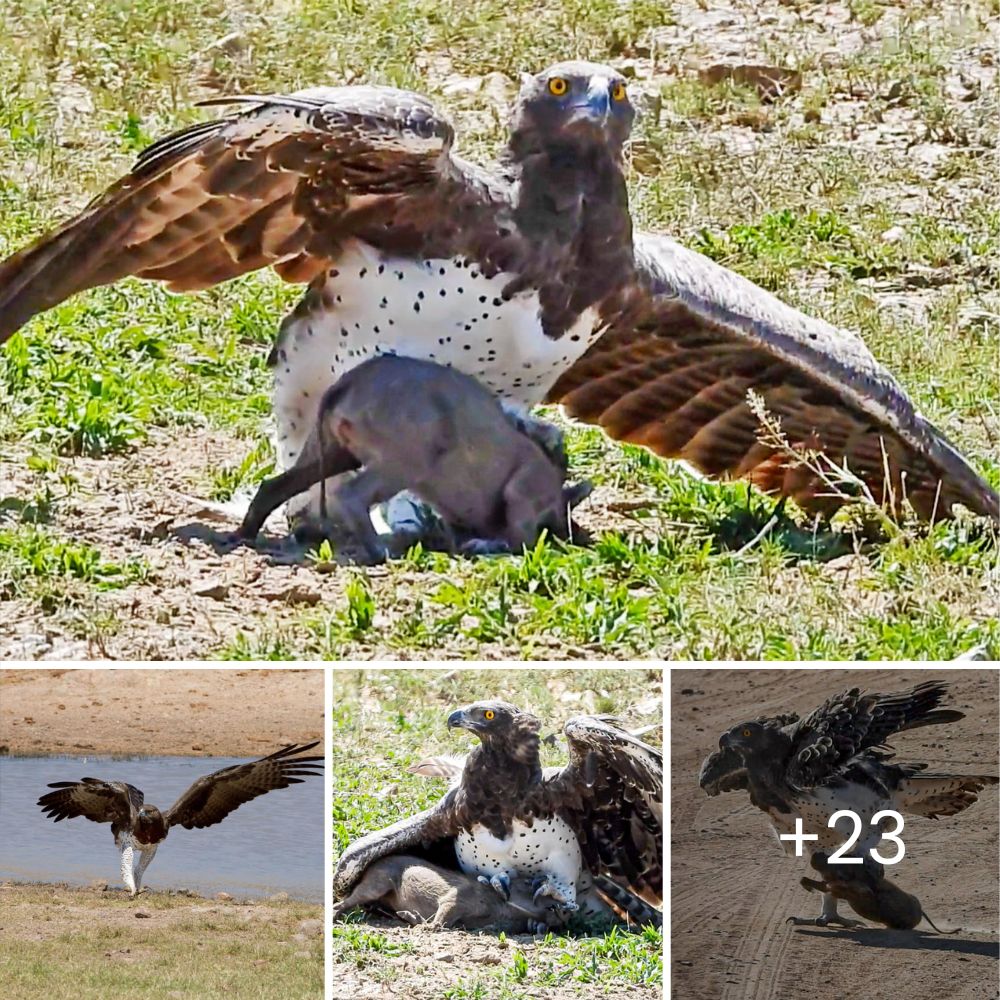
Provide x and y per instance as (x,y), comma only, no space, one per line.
(754,739)
(149,826)
(500,726)
(574,103)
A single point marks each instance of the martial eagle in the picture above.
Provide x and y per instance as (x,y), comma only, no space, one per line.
(599,816)
(140,827)
(835,759)
(527,276)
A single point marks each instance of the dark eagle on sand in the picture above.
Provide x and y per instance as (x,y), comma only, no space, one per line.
(140,827)
(835,759)
(507,818)
(527,276)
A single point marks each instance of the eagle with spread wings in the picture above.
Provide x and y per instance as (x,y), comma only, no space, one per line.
(137,826)
(599,817)
(527,276)
(835,759)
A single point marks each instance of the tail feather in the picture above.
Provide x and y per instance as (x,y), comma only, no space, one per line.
(628,907)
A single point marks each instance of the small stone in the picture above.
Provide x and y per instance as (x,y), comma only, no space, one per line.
(215,589)
(223,897)
(142,915)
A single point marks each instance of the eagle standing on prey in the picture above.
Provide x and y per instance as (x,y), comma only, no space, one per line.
(814,767)
(528,277)
(140,827)
(599,816)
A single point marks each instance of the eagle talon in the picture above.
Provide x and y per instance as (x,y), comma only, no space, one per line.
(500,883)
(825,921)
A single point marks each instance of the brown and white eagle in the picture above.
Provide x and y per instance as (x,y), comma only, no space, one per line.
(507,818)
(527,276)
(140,827)
(831,760)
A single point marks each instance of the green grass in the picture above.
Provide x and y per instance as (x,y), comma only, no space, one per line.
(186,947)
(869,198)
(398,717)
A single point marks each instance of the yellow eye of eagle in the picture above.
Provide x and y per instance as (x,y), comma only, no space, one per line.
(746,732)
(618,92)
(488,714)
(557,87)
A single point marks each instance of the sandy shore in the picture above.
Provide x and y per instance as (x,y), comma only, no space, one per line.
(212,712)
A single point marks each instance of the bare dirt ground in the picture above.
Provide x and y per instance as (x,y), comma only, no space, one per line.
(168,711)
(199,595)
(421,964)
(733,888)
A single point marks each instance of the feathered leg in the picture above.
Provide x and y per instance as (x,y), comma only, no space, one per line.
(146,854)
(828,915)
(562,891)
(124,844)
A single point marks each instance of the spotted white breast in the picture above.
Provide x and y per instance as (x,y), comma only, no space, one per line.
(819,805)
(549,846)
(441,310)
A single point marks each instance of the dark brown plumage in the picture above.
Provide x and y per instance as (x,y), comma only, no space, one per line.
(351,188)
(834,759)
(508,818)
(208,801)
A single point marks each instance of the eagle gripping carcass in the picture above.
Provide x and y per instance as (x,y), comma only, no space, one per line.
(592,829)
(836,759)
(528,277)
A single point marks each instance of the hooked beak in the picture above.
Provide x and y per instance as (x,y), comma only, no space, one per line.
(725,742)
(458,720)
(596,109)
(593,111)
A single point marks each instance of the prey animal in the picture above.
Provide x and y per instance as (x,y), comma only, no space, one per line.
(422,427)
(830,761)
(507,818)
(138,827)
(869,894)
(420,892)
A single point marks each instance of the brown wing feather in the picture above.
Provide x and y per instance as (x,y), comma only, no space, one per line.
(212,798)
(423,829)
(281,182)
(100,801)
(611,793)
(688,342)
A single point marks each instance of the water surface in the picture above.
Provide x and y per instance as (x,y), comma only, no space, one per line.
(272,844)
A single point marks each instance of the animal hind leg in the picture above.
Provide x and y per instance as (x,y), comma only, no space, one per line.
(145,856)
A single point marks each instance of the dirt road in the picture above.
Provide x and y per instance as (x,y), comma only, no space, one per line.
(733,887)
(212,712)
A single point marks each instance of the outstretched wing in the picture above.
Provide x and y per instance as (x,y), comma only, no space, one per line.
(212,798)
(112,802)
(849,723)
(420,831)
(690,341)
(611,793)
(281,182)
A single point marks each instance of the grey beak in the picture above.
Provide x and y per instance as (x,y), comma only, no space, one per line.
(456,720)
